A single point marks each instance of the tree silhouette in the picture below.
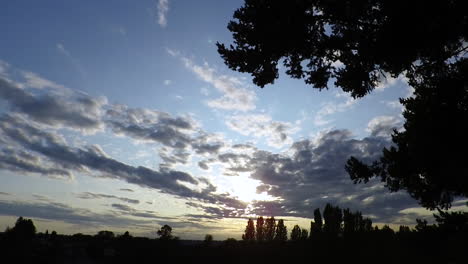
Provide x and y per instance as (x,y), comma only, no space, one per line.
(270,227)
(208,240)
(349,221)
(318,219)
(452,222)
(126,236)
(304,234)
(24,229)
(165,232)
(425,160)
(316,225)
(354,222)
(281,231)
(249,234)
(359,44)
(366,225)
(296,233)
(105,234)
(404,229)
(260,232)
(311,36)
(333,217)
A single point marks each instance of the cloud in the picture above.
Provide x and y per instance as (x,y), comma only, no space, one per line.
(89,195)
(35,81)
(394,105)
(62,212)
(167,82)
(76,64)
(205,143)
(390,81)
(214,212)
(312,173)
(4,66)
(59,109)
(130,211)
(179,137)
(383,126)
(22,135)
(53,148)
(203,165)
(150,125)
(306,176)
(163,8)
(331,108)
(21,161)
(235,93)
(126,190)
(276,133)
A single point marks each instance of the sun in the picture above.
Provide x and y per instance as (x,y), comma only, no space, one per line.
(245,189)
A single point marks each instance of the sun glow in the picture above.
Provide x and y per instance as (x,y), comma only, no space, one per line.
(245,188)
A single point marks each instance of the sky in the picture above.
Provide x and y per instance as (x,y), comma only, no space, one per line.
(122,116)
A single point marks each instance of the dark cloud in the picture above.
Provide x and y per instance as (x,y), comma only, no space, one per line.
(312,174)
(53,148)
(130,211)
(24,162)
(123,207)
(207,148)
(203,165)
(62,108)
(150,125)
(243,147)
(126,190)
(63,212)
(89,195)
(5,193)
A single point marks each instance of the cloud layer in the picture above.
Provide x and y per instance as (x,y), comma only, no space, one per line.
(308,174)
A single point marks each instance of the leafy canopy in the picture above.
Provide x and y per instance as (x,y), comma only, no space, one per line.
(357,44)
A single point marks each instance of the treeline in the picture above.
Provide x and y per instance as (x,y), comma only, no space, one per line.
(336,222)
(335,235)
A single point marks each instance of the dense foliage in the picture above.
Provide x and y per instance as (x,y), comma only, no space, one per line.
(358,44)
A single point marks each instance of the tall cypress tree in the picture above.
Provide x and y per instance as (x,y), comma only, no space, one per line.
(296,233)
(281,231)
(318,220)
(249,234)
(260,232)
(269,229)
(333,217)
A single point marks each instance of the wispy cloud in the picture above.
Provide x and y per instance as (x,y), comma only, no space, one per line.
(163,8)
(382,126)
(61,48)
(390,81)
(4,68)
(276,133)
(89,195)
(330,108)
(33,80)
(235,93)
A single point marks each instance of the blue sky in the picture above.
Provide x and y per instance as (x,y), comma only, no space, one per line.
(121,115)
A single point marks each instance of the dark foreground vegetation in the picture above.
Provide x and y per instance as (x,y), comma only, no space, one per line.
(342,236)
